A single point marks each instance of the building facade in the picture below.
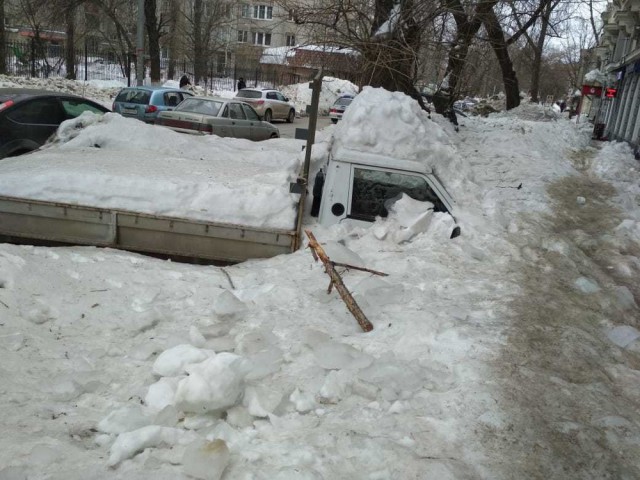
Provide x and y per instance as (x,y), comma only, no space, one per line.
(618,114)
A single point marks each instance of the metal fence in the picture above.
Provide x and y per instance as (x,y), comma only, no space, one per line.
(47,60)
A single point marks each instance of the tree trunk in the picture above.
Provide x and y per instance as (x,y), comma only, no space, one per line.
(3,42)
(467,28)
(199,50)
(173,39)
(500,48)
(537,54)
(69,51)
(390,60)
(153,33)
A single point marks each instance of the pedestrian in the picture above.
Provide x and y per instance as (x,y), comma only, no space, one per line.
(241,83)
(563,106)
(184,81)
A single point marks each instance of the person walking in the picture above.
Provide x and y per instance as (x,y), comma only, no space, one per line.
(184,81)
(241,83)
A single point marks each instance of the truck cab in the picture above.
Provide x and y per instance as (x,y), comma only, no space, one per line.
(358,186)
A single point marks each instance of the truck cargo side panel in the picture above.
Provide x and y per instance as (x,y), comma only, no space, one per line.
(73,224)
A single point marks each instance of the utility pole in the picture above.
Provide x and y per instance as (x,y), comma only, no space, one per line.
(140,44)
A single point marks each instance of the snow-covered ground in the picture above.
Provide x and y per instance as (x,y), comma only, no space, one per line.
(509,352)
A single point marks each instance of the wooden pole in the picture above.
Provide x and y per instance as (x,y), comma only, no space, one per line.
(336,280)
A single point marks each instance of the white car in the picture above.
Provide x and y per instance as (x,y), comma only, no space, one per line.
(339,106)
(270,104)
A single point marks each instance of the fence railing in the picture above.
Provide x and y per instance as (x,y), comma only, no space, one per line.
(30,59)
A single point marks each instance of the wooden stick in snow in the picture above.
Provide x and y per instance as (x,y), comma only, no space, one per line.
(336,280)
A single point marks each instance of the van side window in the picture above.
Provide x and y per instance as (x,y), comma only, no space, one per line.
(371,188)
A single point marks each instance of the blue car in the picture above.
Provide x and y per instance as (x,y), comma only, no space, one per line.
(144,103)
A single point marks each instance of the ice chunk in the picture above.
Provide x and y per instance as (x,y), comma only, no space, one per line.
(196,338)
(129,443)
(623,335)
(124,419)
(206,460)
(261,349)
(261,400)
(340,254)
(12,342)
(228,306)
(214,384)
(41,313)
(378,292)
(161,393)
(43,455)
(625,298)
(337,385)
(167,417)
(335,356)
(304,402)
(586,285)
(172,362)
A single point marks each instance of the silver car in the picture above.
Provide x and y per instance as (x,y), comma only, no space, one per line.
(217,116)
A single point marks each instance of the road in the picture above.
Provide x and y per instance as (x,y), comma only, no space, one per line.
(288,130)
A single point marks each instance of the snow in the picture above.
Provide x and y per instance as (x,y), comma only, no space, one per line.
(511,351)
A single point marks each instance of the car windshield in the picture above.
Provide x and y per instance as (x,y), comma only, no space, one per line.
(344,101)
(248,94)
(201,106)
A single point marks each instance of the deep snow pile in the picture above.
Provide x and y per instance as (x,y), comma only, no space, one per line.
(101,91)
(114,162)
(332,89)
(511,351)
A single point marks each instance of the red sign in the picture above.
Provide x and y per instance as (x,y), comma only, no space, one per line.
(611,92)
(590,90)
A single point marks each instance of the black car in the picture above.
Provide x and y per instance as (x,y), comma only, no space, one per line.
(29,117)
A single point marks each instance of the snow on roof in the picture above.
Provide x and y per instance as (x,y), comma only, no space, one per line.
(281,55)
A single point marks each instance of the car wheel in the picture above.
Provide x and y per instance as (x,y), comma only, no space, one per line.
(292,116)
(334,120)
(267,116)
(274,135)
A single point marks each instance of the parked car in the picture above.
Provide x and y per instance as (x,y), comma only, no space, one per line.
(217,116)
(339,106)
(270,104)
(29,117)
(145,103)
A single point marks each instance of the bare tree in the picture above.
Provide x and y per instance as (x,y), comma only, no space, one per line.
(119,33)
(154,27)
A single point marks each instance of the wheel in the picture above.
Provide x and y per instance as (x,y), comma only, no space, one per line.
(274,135)
(267,116)
(334,120)
(292,115)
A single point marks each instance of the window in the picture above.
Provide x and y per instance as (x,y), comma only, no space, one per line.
(372,190)
(260,38)
(263,12)
(73,108)
(272,96)
(201,106)
(243,36)
(39,112)
(250,113)
(292,15)
(245,10)
(235,111)
(291,40)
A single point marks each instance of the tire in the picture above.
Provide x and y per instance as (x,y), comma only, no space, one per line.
(274,135)
(292,115)
(268,116)
(334,120)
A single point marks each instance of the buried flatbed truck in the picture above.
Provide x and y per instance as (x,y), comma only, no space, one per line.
(358,188)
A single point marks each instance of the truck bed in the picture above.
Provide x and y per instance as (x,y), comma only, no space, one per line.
(166,193)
